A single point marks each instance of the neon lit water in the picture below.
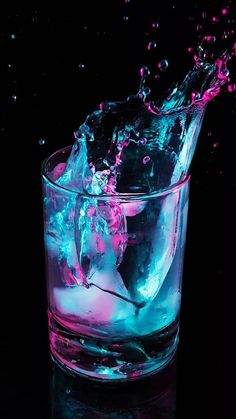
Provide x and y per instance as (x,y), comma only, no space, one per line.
(115,224)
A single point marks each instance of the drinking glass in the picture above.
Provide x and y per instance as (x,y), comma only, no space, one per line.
(114,270)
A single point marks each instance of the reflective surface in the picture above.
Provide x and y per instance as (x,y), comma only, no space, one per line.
(73,397)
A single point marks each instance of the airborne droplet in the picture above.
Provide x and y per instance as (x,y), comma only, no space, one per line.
(146,159)
(151,45)
(225,11)
(215,19)
(144,71)
(162,65)
(155,25)
(231,87)
(42,141)
(209,38)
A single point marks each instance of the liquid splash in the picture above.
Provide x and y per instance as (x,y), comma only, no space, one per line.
(111,146)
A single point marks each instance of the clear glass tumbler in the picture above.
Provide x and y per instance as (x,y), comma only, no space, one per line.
(114,269)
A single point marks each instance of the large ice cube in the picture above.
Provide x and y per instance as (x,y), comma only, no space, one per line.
(101,234)
(93,304)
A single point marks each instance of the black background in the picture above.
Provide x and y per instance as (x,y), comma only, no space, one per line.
(58,63)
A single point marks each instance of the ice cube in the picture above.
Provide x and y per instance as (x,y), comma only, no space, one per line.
(94,304)
(155,250)
(101,234)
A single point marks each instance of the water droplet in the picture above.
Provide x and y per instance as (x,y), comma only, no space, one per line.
(68,391)
(144,71)
(42,141)
(125,18)
(231,87)
(225,35)
(146,159)
(13,36)
(225,11)
(81,66)
(209,38)
(151,45)
(144,92)
(199,27)
(223,74)
(155,25)
(215,19)
(162,65)
(14,98)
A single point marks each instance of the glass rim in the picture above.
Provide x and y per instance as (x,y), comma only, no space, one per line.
(120,196)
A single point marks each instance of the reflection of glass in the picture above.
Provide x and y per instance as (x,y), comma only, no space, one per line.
(152,397)
(114,267)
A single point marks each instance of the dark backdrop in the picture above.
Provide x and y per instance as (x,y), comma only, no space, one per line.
(58,63)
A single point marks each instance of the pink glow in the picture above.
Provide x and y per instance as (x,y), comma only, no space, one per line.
(209,38)
(231,87)
(211,93)
(225,11)
(133,208)
(190,49)
(100,244)
(215,19)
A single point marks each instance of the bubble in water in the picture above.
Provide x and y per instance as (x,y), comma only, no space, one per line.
(14,98)
(81,66)
(146,159)
(162,65)
(151,45)
(225,11)
(155,25)
(13,36)
(144,71)
(126,18)
(127,1)
(209,38)
(231,87)
(42,141)
(204,14)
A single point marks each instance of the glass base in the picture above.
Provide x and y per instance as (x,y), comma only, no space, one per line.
(112,360)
